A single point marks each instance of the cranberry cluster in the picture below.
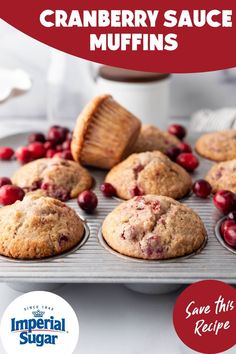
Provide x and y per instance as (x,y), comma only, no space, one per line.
(181,153)
(56,142)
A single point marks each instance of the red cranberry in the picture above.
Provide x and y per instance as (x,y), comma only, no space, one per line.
(39,137)
(232,216)
(9,194)
(136,191)
(51,153)
(48,145)
(4,180)
(188,161)
(108,190)
(67,155)
(173,152)
(66,145)
(37,150)
(6,153)
(184,147)
(59,147)
(224,226)
(230,236)
(225,201)
(177,130)
(57,134)
(23,154)
(87,201)
(57,192)
(202,188)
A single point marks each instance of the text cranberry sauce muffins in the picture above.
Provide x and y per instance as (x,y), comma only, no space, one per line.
(147,168)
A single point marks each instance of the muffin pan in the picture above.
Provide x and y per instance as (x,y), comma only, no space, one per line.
(93,262)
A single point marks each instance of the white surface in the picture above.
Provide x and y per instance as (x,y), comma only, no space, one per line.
(112,318)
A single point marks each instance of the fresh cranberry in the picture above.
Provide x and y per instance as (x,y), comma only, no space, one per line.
(37,150)
(51,153)
(224,226)
(57,134)
(136,191)
(230,236)
(87,201)
(23,154)
(108,190)
(67,155)
(6,153)
(225,201)
(4,180)
(202,188)
(39,137)
(48,145)
(232,216)
(173,152)
(177,130)
(184,147)
(59,147)
(9,194)
(66,145)
(188,161)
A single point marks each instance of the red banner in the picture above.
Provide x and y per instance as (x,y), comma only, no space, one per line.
(167,36)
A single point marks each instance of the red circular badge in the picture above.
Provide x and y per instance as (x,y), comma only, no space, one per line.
(205,316)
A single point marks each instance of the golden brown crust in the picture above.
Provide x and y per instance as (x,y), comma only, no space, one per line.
(153,227)
(38,227)
(150,172)
(217,146)
(223,176)
(152,138)
(58,173)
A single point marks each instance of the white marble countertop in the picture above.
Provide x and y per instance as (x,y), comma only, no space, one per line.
(112,318)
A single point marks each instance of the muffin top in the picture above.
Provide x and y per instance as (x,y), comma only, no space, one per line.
(223,176)
(61,179)
(152,138)
(38,227)
(153,227)
(217,146)
(149,173)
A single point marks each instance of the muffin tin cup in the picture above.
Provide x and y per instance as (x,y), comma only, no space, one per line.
(220,238)
(62,255)
(168,260)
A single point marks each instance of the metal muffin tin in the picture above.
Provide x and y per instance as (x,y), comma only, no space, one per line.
(92,262)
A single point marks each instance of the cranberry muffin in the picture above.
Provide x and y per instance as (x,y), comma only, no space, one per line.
(223,176)
(104,133)
(59,178)
(149,173)
(152,138)
(217,146)
(153,227)
(38,227)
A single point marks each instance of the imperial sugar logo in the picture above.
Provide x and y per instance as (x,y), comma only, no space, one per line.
(39,322)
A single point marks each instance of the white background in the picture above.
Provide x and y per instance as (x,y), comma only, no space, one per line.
(112,318)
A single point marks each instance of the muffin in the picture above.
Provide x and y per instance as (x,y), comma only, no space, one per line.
(38,227)
(153,227)
(223,176)
(152,138)
(104,133)
(149,173)
(218,146)
(61,179)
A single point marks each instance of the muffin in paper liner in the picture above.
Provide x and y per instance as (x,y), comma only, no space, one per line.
(104,134)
